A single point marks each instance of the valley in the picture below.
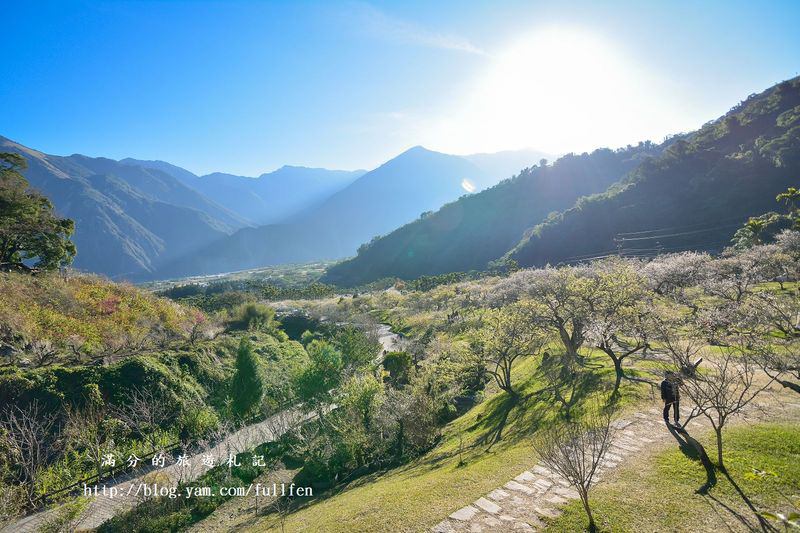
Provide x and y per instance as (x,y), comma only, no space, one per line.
(408,267)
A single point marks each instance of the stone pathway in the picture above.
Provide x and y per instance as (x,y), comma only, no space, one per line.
(523,503)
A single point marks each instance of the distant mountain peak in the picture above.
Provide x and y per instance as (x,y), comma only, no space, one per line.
(418,149)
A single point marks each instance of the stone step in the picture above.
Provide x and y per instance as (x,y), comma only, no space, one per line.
(498,495)
(569,493)
(443,527)
(541,470)
(613,457)
(621,424)
(488,506)
(525,476)
(519,487)
(464,514)
(546,512)
(626,447)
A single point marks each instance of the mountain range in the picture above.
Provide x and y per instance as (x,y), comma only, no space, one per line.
(139,219)
(266,199)
(127,218)
(425,212)
(690,192)
(400,190)
(469,233)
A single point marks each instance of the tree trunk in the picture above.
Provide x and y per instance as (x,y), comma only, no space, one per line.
(719,448)
(507,378)
(510,390)
(588,509)
(567,342)
(570,351)
(618,374)
(400,438)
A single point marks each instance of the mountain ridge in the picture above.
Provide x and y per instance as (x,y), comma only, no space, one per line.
(265,199)
(399,190)
(124,226)
(472,231)
(735,164)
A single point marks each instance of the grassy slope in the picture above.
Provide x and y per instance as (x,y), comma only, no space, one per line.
(84,311)
(659,494)
(422,493)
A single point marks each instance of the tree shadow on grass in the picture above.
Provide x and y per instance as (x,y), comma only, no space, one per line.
(692,449)
(497,419)
(721,516)
(762,522)
(695,451)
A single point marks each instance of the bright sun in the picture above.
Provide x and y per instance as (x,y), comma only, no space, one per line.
(558,90)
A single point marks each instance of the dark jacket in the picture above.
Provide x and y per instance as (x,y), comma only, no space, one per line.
(669,391)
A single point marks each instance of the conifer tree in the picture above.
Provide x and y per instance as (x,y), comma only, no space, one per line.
(247,385)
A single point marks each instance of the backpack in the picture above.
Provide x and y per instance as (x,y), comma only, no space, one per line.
(667,391)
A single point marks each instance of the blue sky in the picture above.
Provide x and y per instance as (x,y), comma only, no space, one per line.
(245,87)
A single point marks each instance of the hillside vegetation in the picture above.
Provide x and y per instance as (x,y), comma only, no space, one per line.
(486,366)
(688,194)
(692,195)
(474,230)
(624,323)
(93,369)
(47,318)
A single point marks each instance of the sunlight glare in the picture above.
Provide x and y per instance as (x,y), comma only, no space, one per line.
(558,90)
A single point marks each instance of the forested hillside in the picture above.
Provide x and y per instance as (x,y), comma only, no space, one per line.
(688,193)
(469,233)
(692,196)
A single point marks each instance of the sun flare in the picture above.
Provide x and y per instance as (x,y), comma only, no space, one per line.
(557,90)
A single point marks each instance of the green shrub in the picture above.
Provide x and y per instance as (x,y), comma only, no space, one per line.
(399,365)
(253,317)
(247,386)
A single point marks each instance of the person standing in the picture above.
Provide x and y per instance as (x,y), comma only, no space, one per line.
(670,393)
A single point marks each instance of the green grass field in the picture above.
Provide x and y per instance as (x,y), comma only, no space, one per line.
(659,493)
(422,493)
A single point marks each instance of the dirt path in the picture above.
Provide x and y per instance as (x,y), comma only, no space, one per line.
(523,503)
(390,341)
